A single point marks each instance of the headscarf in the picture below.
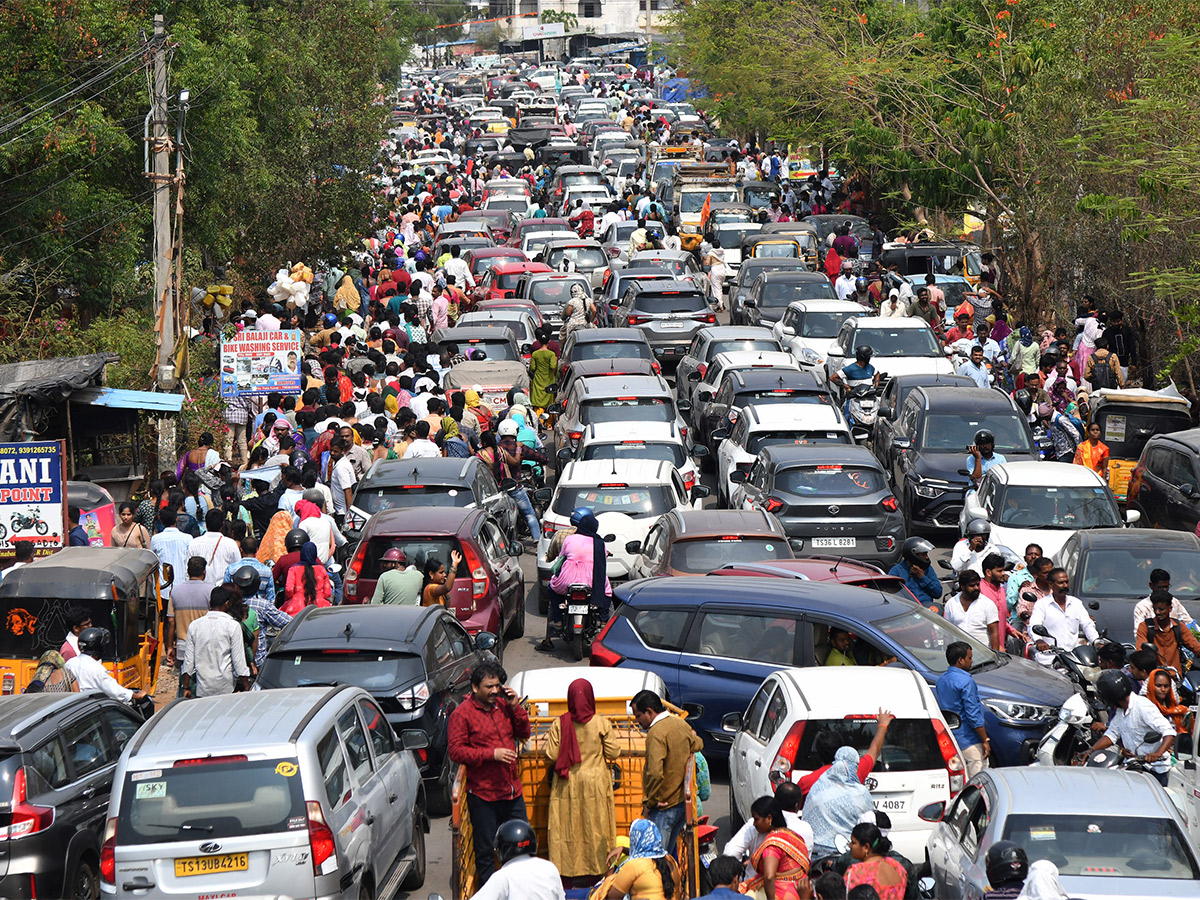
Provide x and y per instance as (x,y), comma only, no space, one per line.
(1026,336)
(1171,709)
(306,509)
(520,398)
(837,801)
(588,527)
(272,548)
(472,398)
(308,552)
(347,297)
(645,841)
(1042,882)
(576,291)
(581,706)
(449,428)
(391,404)
(1047,339)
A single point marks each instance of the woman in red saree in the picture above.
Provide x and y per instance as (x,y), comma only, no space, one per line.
(781,862)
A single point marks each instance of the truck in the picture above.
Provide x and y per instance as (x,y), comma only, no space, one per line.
(691,185)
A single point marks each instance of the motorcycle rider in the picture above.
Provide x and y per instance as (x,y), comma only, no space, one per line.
(1136,716)
(90,672)
(584,562)
(510,453)
(970,551)
(854,374)
(1006,866)
(521,874)
(916,570)
(1064,617)
(862,291)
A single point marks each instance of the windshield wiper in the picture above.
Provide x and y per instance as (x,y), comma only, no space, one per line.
(307,683)
(990,664)
(207,829)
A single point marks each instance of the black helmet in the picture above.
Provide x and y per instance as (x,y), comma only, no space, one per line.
(298,458)
(984,436)
(515,838)
(1006,863)
(862,351)
(94,640)
(979,527)
(913,548)
(1112,686)
(248,579)
(1024,400)
(295,539)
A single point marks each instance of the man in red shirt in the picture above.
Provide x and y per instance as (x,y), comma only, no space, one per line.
(484,732)
(827,744)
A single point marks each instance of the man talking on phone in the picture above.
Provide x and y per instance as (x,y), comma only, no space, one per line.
(484,732)
(983,455)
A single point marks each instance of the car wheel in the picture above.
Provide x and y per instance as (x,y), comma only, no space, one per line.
(416,876)
(439,798)
(85,885)
(543,600)
(366,890)
(516,628)
(735,818)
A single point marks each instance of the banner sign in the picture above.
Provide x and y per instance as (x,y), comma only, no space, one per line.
(33,497)
(258,362)
(544,30)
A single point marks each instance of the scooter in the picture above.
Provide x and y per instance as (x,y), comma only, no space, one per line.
(1072,734)
(862,407)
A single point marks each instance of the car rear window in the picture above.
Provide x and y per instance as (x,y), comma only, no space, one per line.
(179,803)
(836,481)
(512,204)
(582,257)
(911,744)
(416,549)
(626,409)
(501,350)
(611,350)
(779,294)
(674,302)
(545,293)
(651,500)
(705,554)
(761,439)
(508,280)
(1114,846)
(825,324)
(733,346)
(777,396)
(370,670)
(582,178)
(377,500)
(672,453)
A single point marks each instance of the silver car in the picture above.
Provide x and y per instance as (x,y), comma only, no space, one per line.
(669,313)
(1110,833)
(615,398)
(303,792)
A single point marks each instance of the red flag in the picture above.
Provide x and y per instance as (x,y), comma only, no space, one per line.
(705,211)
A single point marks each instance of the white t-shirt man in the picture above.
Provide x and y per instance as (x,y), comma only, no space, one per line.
(975,619)
(523,878)
(1129,726)
(422,448)
(844,286)
(219,553)
(343,479)
(92,676)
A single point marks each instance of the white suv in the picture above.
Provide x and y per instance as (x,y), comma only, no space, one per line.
(623,441)
(775,741)
(808,328)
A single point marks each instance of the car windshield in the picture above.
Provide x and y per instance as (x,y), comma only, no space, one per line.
(831,480)
(1038,506)
(626,409)
(733,346)
(652,500)
(662,171)
(758,197)
(898,341)
(508,280)
(1105,846)
(693,201)
(400,497)
(927,636)
(695,557)
(825,324)
(544,293)
(659,452)
(481,264)
(729,237)
(1118,572)
(582,257)
(611,350)
(491,349)
(621,231)
(911,745)
(778,294)
(945,431)
(761,439)
(371,670)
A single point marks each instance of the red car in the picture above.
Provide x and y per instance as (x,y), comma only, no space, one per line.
(489,586)
(500,280)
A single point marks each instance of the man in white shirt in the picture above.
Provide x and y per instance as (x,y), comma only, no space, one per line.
(342,478)
(977,617)
(422,447)
(1063,616)
(87,669)
(968,552)
(171,547)
(844,286)
(214,654)
(748,838)
(1136,716)
(218,551)
(458,268)
(522,875)
(1160,579)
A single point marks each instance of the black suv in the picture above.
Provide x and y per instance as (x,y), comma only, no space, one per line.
(444,481)
(416,662)
(1165,485)
(927,448)
(57,758)
(772,292)
(762,387)
(668,313)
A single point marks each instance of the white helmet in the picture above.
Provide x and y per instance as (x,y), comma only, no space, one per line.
(507,428)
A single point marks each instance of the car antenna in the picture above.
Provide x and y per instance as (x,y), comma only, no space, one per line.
(348,631)
(837,562)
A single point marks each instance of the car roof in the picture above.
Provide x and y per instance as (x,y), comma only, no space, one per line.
(701,523)
(813,568)
(962,397)
(772,594)
(775,358)
(770,277)
(730,332)
(600,335)
(474,332)
(847,306)
(608,365)
(790,378)
(551,683)
(937,279)
(1051,474)
(21,712)
(1074,790)
(420,520)
(446,470)
(663,285)
(592,472)
(377,627)
(626,385)
(786,455)
(933,379)
(773,416)
(1128,538)
(846,690)
(889,322)
(1189,437)
(526,266)
(661,254)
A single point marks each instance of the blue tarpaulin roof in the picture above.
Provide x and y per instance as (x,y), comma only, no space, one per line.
(151,401)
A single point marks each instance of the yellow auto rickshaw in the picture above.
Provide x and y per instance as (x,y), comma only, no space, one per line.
(121,590)
(1128,419)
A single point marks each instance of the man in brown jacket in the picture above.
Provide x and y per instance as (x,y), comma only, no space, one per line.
(670,743)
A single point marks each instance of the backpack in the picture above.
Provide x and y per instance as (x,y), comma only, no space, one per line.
(1102,372)
(1151,631)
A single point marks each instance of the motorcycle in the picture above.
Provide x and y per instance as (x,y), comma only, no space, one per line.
(580,620)
(1071,736)
(1044,443)
(1113,758)
(22,522)
(862,408)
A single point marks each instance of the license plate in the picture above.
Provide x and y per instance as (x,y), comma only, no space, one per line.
(891,804)
(207,865)
(834,542)
(672,326)
(581,610)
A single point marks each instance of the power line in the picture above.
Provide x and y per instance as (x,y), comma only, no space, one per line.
(37,95)
(74,171)
(72,109)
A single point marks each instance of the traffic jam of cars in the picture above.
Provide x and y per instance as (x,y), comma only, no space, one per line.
(727,440)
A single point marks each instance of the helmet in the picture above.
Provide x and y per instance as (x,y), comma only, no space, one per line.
(94,639)
(984,436)
(912,549)
(979,527)
(515,838)
(861,284)
(329,319)
(314,495)
(507,428)
(248,579)
(579,513)
(298,458)
(1112,685)
(862,351)
(396,555)
(295,539)
(1006,863)
(1024,400)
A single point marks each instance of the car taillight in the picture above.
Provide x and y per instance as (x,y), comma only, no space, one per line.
(702,369)
(108,853)
(773,505)
(575,435)
(354,571)
(889,503)
(479,575)
(414,697)
(656,367)
(320,841)
(209,760)
(955,767)
(613,253)
(781,768)
(548,529)
(27,818)
(636,320)
(601,655)
(689,480)
(709,318)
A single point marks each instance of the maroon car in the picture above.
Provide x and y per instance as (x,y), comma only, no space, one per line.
(489,586)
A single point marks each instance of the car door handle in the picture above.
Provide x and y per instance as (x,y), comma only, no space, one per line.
(89,792)
(370,819)
(758,764)
(392,798)
(701,667)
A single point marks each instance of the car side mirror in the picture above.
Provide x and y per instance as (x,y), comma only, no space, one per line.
(515,548)
(719,434)
(167,577)
(932,812)
(701,490)
(694,375)
(945,564)
(731,723)
(952,720)
(966,473)
(750,304)
(414,739)
(739,476)
(887,412)
(684,406)
(543,495)
(633,546)
(699,451)
(564,455)
(609,538)
(704,394)
(1133,516)
(1094,605)
(901,444)
(1187,490)
(485,640)
(788,330)
(555,409)
(1041,631)
(527,348)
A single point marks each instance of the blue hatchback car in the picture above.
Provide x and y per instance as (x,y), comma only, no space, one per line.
(714,639)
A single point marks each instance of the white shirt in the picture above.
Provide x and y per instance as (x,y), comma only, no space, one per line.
(844,286)
(460,270)
(219,553)
(214,654)
(974,620)
(289,498)
(267,322)
(523,878)
(422,449)
(1128,727)
(889,311)
(963,558)
(743,844)
(1065,626)
(321,531)
(342,479)
(92,676)
(1144,610)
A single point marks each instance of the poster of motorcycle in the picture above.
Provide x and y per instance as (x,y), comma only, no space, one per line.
(33,497)
(258,362)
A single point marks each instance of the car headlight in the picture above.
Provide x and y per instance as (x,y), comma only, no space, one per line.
(1012,713)
(927,491)
(811,358)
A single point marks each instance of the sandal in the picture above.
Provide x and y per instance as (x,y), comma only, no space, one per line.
(544,645)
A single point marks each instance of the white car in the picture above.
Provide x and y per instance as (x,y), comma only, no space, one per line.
(764,426)
(621,441)
(733,360)
(544,78)
(626,504)
(533,241)
(1041,503)
(808,328)
(899,346)
(774,741)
